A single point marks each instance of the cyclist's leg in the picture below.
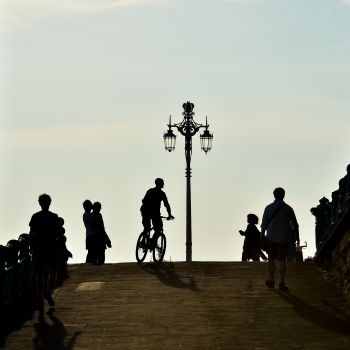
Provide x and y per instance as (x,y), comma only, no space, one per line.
(158,228)
(146,222)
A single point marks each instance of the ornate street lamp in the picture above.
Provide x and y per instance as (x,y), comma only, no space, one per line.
(188,128)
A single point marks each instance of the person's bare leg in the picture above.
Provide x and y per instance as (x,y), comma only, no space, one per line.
(282,270)
(39,286)
(271,273)
(47,290)
(282,267)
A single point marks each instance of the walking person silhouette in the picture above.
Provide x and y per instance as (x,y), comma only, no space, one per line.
(44,230)
(251,245)
(280,223)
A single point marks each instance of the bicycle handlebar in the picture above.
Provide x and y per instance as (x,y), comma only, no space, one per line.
(167,217)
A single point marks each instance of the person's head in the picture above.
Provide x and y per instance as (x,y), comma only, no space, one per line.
(348,169)
(279,193)
(252,219)
(97,207)
(44,201)
(159,182)
(60,222)
(87,205)
(324,200)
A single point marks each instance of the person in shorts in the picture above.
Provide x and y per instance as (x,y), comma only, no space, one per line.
(281,226)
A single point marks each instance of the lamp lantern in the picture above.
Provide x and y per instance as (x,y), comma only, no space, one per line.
(169,140)
(206,139)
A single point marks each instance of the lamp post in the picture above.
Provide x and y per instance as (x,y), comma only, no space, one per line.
(188,128)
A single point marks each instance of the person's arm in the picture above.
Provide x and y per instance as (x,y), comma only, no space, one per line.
(32,227)
(295,226)
(242,233)
(167,206)
(263,224)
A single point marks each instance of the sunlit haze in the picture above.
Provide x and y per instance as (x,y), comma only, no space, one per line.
(87,87)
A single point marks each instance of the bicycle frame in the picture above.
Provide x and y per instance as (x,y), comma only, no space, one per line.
(146,242)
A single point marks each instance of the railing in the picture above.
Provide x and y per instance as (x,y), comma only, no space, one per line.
(329,214)
(15,270)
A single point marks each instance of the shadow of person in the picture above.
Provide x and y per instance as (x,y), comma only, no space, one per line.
(334,320)
(52,335)
(166,274)
(14,317)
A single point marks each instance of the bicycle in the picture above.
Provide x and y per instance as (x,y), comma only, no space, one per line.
(145,243)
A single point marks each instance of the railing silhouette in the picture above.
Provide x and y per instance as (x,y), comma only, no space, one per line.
(333,234)
(15,270)
(330,214)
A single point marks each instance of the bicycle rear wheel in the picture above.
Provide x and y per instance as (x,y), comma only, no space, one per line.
(141,247)
(159,248)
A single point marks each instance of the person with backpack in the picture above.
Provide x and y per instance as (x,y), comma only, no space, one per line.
(281,226)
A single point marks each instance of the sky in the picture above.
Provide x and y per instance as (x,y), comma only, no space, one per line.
(87,87)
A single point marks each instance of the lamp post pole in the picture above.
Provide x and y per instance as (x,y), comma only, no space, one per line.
(188,154)
(188,128)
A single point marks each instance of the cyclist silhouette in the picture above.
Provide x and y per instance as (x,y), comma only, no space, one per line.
(150,208)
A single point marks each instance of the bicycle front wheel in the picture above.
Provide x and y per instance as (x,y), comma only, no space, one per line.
(141,247)
(159,248)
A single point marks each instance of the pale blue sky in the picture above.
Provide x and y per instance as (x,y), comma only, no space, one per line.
(86,89)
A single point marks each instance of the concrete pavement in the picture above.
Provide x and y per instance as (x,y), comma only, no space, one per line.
(198,305)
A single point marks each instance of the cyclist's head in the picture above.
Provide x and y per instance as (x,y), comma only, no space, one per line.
(252,219)
(279,193)
(159,182)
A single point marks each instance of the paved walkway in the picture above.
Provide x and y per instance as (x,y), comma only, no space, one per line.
(207,305)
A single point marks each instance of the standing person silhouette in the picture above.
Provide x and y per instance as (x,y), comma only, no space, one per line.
(103,240)
(281,225)
(44,229)
(91,232)
(150,208)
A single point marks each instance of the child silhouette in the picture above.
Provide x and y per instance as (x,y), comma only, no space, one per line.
(251,245)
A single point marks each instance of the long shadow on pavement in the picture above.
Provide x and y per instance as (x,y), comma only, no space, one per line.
(13,317)
(335,321)
(166,274)
(52,334)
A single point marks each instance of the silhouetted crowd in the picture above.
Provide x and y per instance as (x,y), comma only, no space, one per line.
(279,235)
